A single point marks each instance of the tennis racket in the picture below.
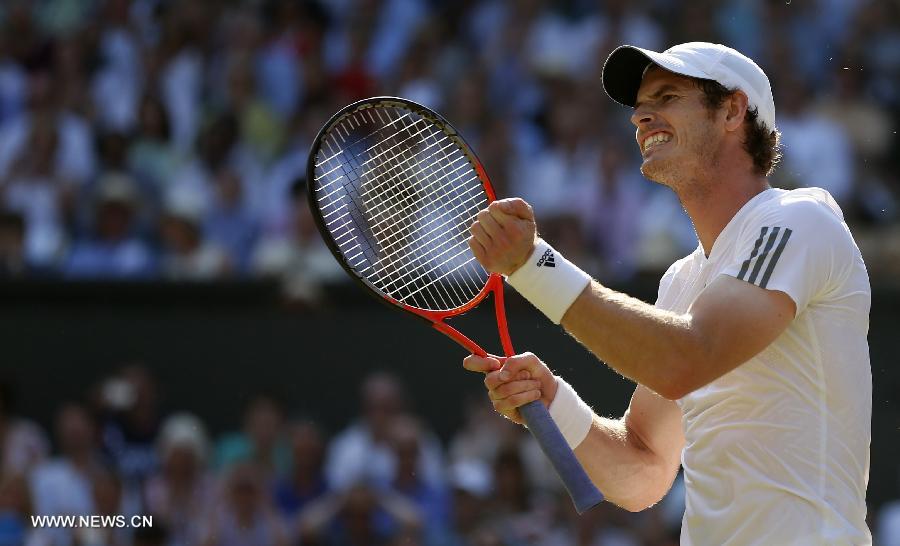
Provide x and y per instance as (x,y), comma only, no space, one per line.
(394,188)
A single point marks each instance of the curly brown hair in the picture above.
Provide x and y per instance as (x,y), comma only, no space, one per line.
(764,146)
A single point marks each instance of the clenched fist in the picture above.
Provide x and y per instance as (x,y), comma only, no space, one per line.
(503,235)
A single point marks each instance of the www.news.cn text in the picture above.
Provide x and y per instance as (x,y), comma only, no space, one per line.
(92,522)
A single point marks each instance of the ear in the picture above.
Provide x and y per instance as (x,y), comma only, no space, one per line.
(735,110)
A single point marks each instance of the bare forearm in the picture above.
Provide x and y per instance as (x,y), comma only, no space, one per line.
(645,344)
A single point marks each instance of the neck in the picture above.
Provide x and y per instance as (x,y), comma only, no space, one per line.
(710,211)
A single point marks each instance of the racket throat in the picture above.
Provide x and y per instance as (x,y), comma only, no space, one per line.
(495,285)
(458,337)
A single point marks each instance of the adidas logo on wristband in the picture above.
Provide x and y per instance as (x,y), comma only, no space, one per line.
(551,291)
(547,259)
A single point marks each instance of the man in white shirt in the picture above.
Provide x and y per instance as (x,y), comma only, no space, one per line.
(753,366)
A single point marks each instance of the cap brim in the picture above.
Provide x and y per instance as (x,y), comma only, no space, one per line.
(624,70)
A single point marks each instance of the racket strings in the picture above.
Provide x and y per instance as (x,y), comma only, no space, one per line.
(404,197)
(405,278)
(448,252)
(430,228)
(398,196)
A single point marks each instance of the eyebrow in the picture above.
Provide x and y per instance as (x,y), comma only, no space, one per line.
(658,93)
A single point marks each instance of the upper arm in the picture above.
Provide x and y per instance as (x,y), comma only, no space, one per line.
(733,321)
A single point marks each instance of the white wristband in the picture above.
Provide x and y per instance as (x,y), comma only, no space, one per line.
(549,281)
(571,414)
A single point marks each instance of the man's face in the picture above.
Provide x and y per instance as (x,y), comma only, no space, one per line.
(678,139)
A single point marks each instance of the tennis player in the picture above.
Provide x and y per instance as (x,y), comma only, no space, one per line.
(753,367)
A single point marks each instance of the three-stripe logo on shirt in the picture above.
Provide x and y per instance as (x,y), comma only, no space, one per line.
(766,251)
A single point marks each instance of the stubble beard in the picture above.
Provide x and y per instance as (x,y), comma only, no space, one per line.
(689,175)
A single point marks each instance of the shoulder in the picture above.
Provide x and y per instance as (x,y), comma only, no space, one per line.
(797,242)
(806,216)
(800,208)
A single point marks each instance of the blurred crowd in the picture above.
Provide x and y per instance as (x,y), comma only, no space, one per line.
(156,139)
(281,479)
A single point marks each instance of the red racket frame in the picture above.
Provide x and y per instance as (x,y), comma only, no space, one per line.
(493,285)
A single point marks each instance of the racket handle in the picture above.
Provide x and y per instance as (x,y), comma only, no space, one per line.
(580,487)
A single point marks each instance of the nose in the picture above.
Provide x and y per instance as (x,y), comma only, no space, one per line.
(642,115)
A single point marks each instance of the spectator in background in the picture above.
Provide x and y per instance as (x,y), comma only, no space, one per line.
(360,516)
(261,441)
(63,485)
(113,249)
(362,453)
(181,493)
(230,223)
(353,78)
(406,437)
(299,257)
(512,498)
(69,64)
(152,157)
(71,156)
(131,422)
(179,61)
(187,254)
(244,516)
(13,83)
(278,63)
(470,485)
(106,490)
(116,85)
(31,188)
(260,128)
(306,480)
(23,445)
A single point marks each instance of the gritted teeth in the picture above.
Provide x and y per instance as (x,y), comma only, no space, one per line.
(656,139)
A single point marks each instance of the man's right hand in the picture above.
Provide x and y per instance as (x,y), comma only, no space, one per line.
(503,235)
(519,380)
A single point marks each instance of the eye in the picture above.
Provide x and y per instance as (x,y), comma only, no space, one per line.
(668,97)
